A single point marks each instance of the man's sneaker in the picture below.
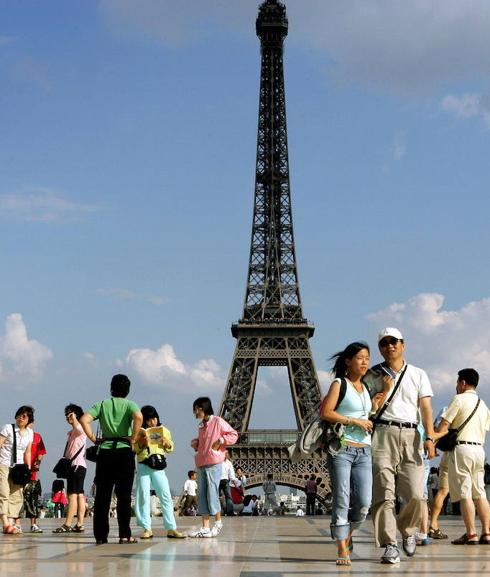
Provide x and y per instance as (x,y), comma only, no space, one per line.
(421,539)
(200,532)
(36,529)
(216,530)
(409,545)
(391,555)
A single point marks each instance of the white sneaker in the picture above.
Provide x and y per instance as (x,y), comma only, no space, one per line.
(409,545)
(391,555)
(216,530)
(200,532)
(36,529)
(19,529)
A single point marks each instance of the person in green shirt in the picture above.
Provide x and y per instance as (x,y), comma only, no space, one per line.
(120,421)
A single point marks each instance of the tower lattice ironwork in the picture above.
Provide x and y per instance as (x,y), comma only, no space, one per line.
(273,330)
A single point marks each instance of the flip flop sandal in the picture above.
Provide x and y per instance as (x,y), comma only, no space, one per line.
(343,560)
(484,539)
(466,540)
(127,540)
(436,534)
(10,530)
(62,529)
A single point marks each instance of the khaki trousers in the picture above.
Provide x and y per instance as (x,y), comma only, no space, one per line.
(11,496)
(398,471)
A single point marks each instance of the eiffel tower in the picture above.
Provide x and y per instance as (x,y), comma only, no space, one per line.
(273,330)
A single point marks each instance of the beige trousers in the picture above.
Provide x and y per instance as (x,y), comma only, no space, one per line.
(11,496)
(398,471)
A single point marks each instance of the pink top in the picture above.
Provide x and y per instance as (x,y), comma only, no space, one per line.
(209,432)
(76,439)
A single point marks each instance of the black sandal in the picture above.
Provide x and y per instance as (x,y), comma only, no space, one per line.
(127,540)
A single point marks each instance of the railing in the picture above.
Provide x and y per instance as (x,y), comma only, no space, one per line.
(269,437)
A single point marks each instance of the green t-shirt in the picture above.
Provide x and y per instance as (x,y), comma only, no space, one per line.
(116,417)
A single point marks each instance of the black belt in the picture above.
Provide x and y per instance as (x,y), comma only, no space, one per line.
(468,443)
(396,424)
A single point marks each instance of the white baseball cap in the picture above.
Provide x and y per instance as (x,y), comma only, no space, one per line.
(390,332)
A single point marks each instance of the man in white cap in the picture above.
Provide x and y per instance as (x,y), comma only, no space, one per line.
(398,469)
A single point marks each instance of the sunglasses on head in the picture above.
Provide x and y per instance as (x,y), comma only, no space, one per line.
(388,341)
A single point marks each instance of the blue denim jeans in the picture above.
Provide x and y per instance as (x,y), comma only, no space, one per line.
(352,483)
(208,479)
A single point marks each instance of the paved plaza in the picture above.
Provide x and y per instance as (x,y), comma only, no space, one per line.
(248,547)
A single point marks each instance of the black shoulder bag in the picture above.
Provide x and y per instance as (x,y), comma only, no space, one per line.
(448,442)
(63,466)
(19,474)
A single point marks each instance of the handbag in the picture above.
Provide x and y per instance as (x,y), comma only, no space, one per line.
(156,461)
(63,466)
(450,439)
(92,452)
(19,473)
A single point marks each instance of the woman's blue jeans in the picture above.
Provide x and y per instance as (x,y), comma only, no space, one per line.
(352,483)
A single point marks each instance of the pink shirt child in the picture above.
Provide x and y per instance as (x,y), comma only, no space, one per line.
(209,432)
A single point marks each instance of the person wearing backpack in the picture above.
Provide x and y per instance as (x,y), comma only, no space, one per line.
(350,467)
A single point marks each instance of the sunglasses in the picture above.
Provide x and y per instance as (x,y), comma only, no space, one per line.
(388,341)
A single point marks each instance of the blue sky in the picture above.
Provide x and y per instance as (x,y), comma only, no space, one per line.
(126,191)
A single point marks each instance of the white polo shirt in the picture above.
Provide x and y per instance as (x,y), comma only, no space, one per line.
(460,408)
(405,406)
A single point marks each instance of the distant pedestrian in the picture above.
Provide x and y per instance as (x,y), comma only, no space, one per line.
(270,500)
(190,494)
(311,490)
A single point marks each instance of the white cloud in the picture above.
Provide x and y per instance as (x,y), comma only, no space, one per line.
(162,367)
(442,341)
(123,294)
(42,205)
(467,106)
(20,356)
(398,45)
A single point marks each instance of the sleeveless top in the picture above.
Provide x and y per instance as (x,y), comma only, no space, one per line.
(358,406)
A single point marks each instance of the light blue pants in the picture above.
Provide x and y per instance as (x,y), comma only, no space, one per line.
(145,479)
(208,479)
(352,482)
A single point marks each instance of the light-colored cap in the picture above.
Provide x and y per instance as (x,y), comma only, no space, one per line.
(390,332)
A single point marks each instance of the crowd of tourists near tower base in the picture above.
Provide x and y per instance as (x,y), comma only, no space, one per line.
(380,438)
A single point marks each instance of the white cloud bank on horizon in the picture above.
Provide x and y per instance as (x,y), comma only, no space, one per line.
(42,205)
(371,43)
(162,367)
(442,341)
(20,356)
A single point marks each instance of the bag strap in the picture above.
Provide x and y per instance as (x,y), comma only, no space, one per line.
(388,402)
(342,391)
(460,428)
(74,456)
(14,451)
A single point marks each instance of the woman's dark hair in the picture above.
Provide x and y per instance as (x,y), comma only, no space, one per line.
(350,351)
(148,413)
(203,403)
(26,410)
(120,386)
(71,408)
